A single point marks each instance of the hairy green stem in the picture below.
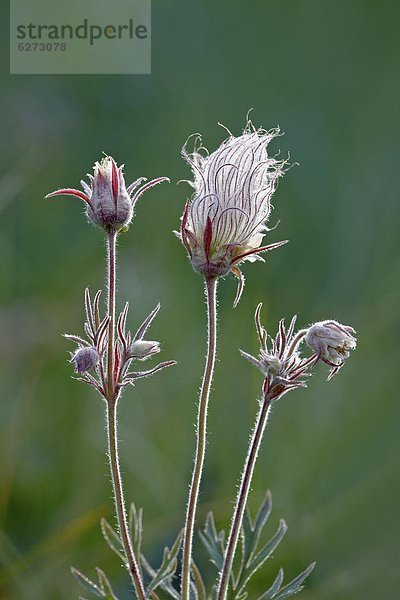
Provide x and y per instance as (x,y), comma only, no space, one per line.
(243,493)
(201,437)
(111,419)
(112,275)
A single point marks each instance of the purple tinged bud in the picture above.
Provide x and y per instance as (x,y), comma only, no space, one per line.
(85,359)
(110,204)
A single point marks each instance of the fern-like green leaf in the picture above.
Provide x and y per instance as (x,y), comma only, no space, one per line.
(275,587)
(105,585)
(255,562)
(168,564)
(136,527)
(87,583)
(295,586)
(250,536)
(112,538)
(213,541)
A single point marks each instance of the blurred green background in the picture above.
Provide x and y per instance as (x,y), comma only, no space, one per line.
(327,73)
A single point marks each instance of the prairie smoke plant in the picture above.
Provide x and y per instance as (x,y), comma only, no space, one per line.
(284,369)
(109,203)
(108,348)
(225,221)
(222,225)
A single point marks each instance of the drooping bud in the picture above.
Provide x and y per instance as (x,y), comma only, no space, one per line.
(143,349)
(109,203)
(85,359)
(331,341)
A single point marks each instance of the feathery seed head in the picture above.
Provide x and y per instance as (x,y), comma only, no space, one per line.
(225,221)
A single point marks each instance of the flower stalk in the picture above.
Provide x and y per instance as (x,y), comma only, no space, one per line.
(115,471)
(201,438)
(111,418)
(243,494)
(111,265)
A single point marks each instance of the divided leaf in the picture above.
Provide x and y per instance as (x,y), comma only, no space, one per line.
(276,592)
(268,549)
(295,585)
(255,562)
(252,557)
(101,590)
(87,583)
(213,541)
(112,538)
(168,565)
(275,587)
(105,585)
(251,532)
(166,585)
(136,529)
(161,577)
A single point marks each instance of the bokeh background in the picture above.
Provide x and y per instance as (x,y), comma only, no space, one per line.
(328,74)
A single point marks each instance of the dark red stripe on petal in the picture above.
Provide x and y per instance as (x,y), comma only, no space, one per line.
(114,181)
(185,215)
(207,237)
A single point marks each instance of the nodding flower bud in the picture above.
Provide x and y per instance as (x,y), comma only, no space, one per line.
(109,203)
(143,349)
(85,359)
(331,341)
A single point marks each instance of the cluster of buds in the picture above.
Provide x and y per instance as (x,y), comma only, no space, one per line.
(91,351)
(109,203)
(225,221)
(280,360)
